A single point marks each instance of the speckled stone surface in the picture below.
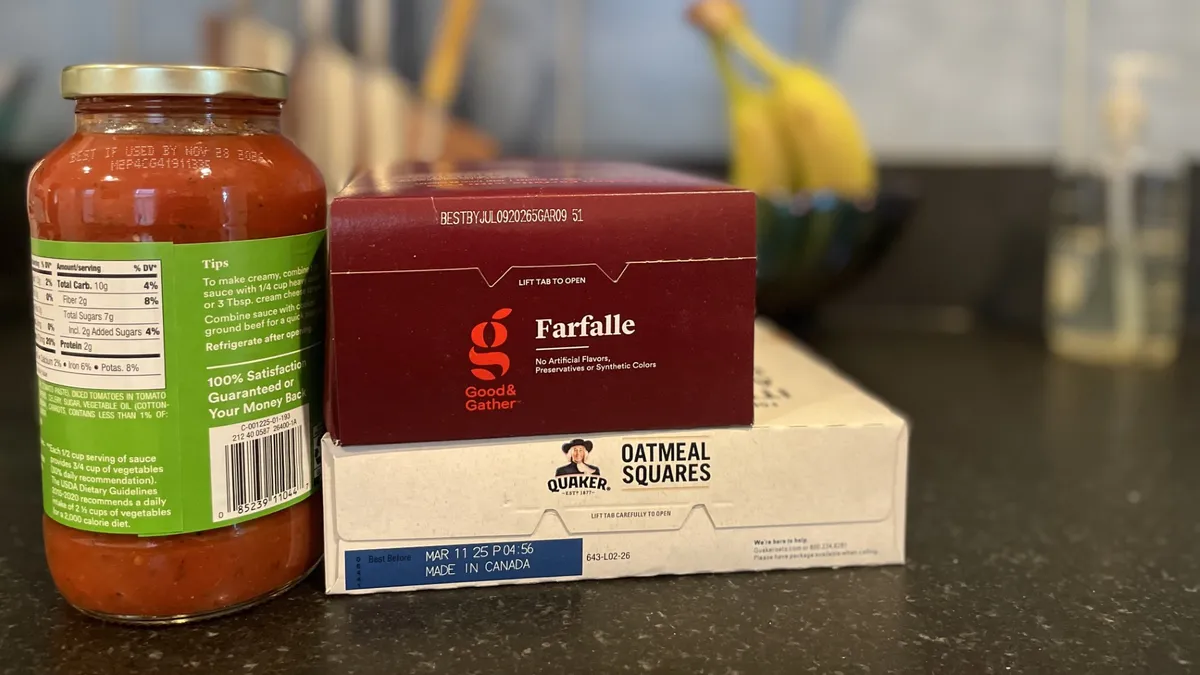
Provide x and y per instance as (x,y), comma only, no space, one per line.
(1054,527)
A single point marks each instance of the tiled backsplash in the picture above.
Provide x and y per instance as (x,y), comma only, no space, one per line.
(977,247)
(977,242)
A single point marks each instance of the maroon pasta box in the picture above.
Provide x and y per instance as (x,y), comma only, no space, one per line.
(526,298)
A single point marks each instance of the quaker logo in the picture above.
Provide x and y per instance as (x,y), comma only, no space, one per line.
(488,361)
(577,476)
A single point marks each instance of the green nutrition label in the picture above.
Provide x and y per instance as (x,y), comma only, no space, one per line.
(179,384)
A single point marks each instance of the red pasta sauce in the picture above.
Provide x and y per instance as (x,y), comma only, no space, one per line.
(183,169)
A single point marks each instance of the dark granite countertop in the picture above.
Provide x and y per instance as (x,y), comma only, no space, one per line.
(1054,526)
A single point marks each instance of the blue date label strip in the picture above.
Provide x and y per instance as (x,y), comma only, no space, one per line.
(464,563)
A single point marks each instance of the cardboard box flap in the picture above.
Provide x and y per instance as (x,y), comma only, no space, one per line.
(522,176)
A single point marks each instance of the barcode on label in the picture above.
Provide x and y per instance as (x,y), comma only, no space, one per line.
(262,468)
(260,464)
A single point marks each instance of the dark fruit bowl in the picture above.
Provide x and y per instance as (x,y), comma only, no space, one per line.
(812,246)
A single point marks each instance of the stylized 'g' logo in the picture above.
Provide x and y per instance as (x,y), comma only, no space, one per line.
(479,338)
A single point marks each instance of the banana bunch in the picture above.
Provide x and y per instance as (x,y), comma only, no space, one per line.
(797,134)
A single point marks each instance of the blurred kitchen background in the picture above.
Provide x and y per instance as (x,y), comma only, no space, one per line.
(966,105)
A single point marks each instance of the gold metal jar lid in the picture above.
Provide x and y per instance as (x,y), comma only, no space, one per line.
(165,80)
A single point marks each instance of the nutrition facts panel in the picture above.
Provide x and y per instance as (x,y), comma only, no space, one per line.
(98,323)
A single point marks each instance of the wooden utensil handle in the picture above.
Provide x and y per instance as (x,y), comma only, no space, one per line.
(439,83)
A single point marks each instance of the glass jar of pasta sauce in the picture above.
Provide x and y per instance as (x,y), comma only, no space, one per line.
(178,271)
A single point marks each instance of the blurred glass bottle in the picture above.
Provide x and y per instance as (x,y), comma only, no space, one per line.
(1117,250)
